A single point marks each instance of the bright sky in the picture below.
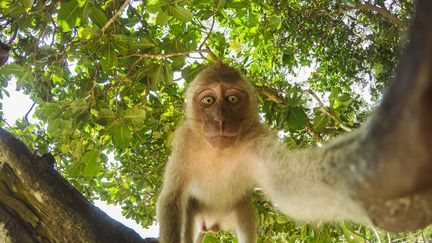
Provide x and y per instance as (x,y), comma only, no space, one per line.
(16,106)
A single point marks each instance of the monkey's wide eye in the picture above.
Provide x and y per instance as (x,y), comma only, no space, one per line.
(208,100)
(232,99)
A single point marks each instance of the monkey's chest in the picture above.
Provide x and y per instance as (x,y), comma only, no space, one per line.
(220,184)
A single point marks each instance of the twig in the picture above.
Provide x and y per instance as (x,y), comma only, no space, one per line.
(28,112)
(168,55)
(208,34)
(211,53)
(376,234)
(7,124)
(327,112)
(115,16)
(315,135)
(271,94)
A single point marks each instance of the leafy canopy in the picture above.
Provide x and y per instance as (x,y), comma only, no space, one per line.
(108,78)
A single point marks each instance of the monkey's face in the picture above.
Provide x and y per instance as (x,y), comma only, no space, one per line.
(223,111)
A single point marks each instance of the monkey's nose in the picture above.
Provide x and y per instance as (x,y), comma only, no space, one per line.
(219,124)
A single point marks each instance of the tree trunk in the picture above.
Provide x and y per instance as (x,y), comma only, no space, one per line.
(39,205)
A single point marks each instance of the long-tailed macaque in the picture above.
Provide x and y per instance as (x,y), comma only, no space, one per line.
(222,151)
(207,183)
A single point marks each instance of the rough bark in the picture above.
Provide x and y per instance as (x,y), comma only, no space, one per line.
(38,205)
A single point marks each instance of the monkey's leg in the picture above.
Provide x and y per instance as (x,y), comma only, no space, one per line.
(169,212)
(245,229)
(191,234)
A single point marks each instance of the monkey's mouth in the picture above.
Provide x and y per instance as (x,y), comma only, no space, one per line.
(222,141)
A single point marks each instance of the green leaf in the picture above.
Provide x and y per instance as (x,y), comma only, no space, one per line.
(88,32)
(211,238)
(77,149)
(76,169)
(122,43)
(109,57)
(11,69)
(48,110)
(181,13)
(162,18)
(297,118)
(135,115)
(168,74)
(189,72)
(345,99)
(145,42)
(27,4)
(25,78)
(78,105)
(273,22)
(98,17)
(69,15)
(59,127)
(351,3)
(107,113)
(155,6)
(158,74)
(220,4)
(121,136)
(350,235)
(91,160)
(320,122)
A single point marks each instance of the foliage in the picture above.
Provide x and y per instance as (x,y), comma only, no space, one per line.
(108,79)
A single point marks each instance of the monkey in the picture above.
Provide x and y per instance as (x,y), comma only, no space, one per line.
(206,186)
(221,152)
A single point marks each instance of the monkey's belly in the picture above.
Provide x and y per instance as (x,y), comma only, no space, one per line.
(213,221)
(220,190)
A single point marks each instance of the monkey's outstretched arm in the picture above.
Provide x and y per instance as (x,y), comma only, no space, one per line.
(383,172)
(311,184)
(342,181)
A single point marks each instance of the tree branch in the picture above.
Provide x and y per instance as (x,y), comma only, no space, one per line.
(115,16)
(28,113)
(273,96)
(384,13)
(315,135)
(328,112)
(38,205)
(208,34)
(168,55)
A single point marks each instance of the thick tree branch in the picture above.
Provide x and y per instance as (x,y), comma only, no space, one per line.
(38,205)
(384,13)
